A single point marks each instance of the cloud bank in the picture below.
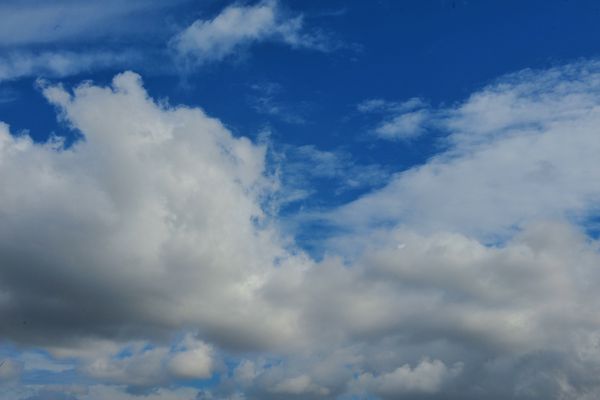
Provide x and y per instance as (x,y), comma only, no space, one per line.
(144,257)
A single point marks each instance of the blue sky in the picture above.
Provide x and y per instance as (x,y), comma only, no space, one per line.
(299,199)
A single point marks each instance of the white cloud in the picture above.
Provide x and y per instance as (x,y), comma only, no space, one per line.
(142,173)
(238,26)
(50,64)
(426,377)
(91,392)
(192,360)
(153,225)
(265,101)
(31,22)
(145,365)
(66,37)
(371,105)
(522,149)
(299,385)
(403,126)
(102,392)
(402,121)
(384,106)
(36,361)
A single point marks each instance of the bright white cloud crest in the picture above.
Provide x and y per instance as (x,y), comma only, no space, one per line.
(152,227)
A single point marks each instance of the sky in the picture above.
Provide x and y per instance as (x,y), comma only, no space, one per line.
(353,200)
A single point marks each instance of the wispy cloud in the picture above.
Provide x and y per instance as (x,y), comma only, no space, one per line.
(14,65)
(8,95)
(399,120)
(67,37)
(237,26)
(303,169)
(35,22)
(266,99)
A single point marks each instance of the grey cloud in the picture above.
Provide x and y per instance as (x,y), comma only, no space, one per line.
(10,369)
(77,251)
(154,225)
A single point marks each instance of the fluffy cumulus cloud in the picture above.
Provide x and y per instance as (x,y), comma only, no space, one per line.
(238,26)
(144,259)
(154,203)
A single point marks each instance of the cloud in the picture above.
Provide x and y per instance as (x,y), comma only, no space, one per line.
(402,121)
(240,26)
(299,385)
(98,392)
(144,255)
(192,360)
(143,173)
(33,22)
(403,126)
(37,361)
(265,101)
(10,369)
(59,64)
(7,95)
(521,149)
(449,297)
(144,365)
(67,37)
(426,377)
(301,169)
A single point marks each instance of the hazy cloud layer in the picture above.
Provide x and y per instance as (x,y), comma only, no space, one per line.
(33,22)
(145,256)
(50,64)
